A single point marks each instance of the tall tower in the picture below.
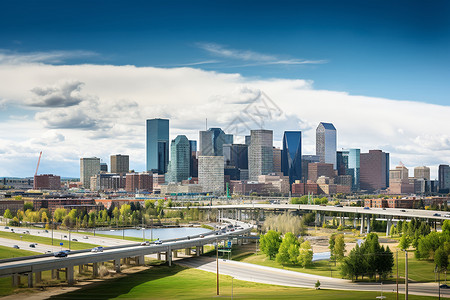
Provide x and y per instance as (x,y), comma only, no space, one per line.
(120,163)
(157,145)
(326,143)
(180,158)
(444,179)
(291,156)
(374,170)
(89,167)
(260,153)
(212,141)
(211,174)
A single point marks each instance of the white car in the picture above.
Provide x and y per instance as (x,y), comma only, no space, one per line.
(97,249)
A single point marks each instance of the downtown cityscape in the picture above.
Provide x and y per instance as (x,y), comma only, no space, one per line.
(234,149)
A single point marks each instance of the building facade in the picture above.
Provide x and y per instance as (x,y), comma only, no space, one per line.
(315,170)
(277,160)
(374,170)
(180,160)
(444,179)
(422,172)
(157,145)
(212,141)
(89,166)
(326,143)
(47,182)
(291,156)
(211,174)
(139,182)
(120,163)
(260,153)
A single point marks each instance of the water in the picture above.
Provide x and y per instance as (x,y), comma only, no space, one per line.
(161,233)
(359,242)
(321,256)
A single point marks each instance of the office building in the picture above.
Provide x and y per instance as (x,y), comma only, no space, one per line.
(157,145)
(277,160)
(236,161)
(291,156)
(306,160)
(211,174)
(193,165)
(139,182)
(107,182)
(260,154)
(348,163)
(180,159)
(444,179)
(374,172)
(120,164)
(212,141)
(47,182)
(89,166)
(326,143)
(103,167)
(316,170)
(422,172)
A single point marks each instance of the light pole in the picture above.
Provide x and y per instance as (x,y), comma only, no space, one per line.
(217,266)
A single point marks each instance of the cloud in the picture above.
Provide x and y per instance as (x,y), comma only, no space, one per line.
(53,57)
(61,95)
(254,58)
(70,118)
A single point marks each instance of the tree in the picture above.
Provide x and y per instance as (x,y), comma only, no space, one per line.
(27,206)
(283,256)
(339,248)
(8,214)
(441,259)
(317,285)
(306,254)
(331,245)
(270,243)
(404,242)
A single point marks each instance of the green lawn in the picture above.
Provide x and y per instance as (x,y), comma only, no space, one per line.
(45,240)
(177,282)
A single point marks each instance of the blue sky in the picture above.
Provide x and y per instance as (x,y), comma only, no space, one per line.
(79,78)
(394,49)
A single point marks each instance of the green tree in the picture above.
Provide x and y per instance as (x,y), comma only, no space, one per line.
(339,248)
(27,206)
(270,243)
(306,254)
(8,214)
(392,231)
(404,242)
(441,259)
(283,256)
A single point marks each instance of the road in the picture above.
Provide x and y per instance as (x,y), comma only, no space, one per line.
(267,275)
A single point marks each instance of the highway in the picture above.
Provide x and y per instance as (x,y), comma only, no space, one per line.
(267,275)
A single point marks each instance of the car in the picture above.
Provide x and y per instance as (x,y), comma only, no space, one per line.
(74,240)
(16,247)
(6,227)
(188,237)
(436,215)
(402,210)
(384,208)
(97,249)
(65,236)
(12,229)
(85,237)
(338,205)
(158,242)
(46,231)
(366,207)
(48,251)
(67,251)
(447,216)
(444,286)
(232,229)
(146,243)
(61,254)
(32,246)
(202,236)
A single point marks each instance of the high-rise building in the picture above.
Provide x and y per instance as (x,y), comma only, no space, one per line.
(276,160)
(103,167)
(326,143)
(399,174)
(260,153)
(422,172)
(139,182)
(306,160)
(89,166)
(157,145)
(444,179)
(193,164)
(291,156)
(348,163)
(120,164)
(211,174)
(47,182)
(316,170)
(374,173)
(236,155)
(180,160)
(212,141)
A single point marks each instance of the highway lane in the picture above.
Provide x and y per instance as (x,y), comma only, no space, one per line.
(267,275)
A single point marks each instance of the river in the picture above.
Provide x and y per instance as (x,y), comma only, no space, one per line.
(157,233)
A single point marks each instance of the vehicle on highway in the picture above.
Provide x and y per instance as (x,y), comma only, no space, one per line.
(65,236)
(85,237)
(16,247)
(202,236)
(338,205)
(158,242)
(48,251)
(46,231)
(366,207)
(436,215)
(6,227)
(447,216)
(146,243)
(12,229)
(61,254)
(74,240)
(384,208)
(97,249)
(402,210)
(67,251)
(444,286)
(32,245)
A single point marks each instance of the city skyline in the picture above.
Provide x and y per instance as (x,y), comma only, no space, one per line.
(76,89)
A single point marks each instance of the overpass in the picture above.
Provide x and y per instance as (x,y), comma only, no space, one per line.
(34,265)
(235,211)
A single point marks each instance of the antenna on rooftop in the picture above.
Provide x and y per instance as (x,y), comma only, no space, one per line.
(206,128)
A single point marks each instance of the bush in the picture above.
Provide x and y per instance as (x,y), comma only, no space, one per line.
(103,271)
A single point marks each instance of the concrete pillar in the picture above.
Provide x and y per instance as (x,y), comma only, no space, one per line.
(30,279)
(38,277)
(69,275)
(80,269)
(57,275)
(54,273)
(169,257)
(388,226)
(197,252)
(15,280)
(362,224)
(368,224)
(158,256)
(140,260)
(354,222)
(117,265)
(95,269)
(175,253)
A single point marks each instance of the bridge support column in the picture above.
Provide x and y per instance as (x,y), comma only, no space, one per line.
(368,224)
(141,260)
(175,253)
(38,277)
(117,265)
(388,226)
(58,277)
(187,251)
(158,256)
(69,275)
(354,222)
(95,269)
(30,279)
(197,250)
(169,257)
(80,269)
(361,230)
(15,280)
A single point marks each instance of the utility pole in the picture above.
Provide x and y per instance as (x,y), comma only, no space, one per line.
(406,275)
(396,257)
(217,266)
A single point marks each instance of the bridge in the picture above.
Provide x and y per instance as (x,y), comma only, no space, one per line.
(32,266)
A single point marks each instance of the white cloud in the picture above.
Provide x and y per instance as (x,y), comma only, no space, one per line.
(11,57)
(118,99)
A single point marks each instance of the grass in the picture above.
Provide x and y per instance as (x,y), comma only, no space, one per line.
(45,240)
(177,282)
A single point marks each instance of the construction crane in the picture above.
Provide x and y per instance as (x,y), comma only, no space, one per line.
(39,160)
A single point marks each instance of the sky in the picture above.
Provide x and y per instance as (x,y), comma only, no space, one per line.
(79,78)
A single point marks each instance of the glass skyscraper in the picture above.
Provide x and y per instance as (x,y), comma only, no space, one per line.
(348,163)
(260,153)
(444,179)
(180,158)
(157,145)
(212,141)
(326,143)
(291,155)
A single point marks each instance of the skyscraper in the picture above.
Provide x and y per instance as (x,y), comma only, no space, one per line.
(120,164)
(276,160)
(193,165)
(374,170)
(180,158)
(260,153)
(211,173)
(422,172)
(157,145)
(348,163)
(444,179)
(291,156)
(212,141)
(89,167)
(326,143)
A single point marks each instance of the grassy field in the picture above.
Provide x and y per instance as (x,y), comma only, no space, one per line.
(45,240)
(182,283)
